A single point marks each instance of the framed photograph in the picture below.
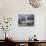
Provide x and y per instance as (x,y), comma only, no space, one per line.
(26,19)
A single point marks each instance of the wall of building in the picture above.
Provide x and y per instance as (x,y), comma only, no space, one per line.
(11,8)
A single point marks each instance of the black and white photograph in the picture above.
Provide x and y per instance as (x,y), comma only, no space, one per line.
(26,19)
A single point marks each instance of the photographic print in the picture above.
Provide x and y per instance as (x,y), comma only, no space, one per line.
(26,19)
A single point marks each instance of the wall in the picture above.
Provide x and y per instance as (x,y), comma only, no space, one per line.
(11,8)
